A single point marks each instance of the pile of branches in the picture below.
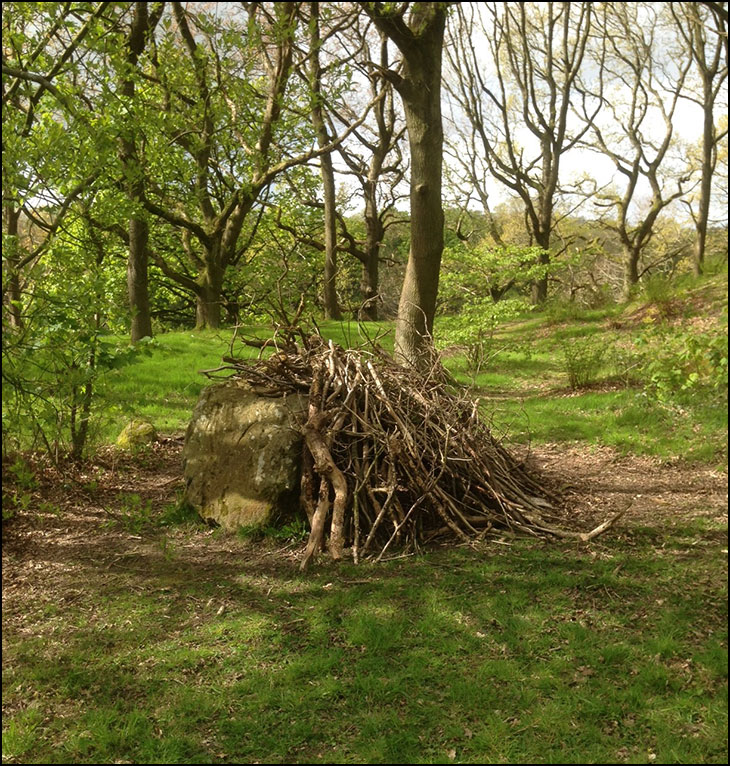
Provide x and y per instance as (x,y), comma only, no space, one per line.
(395,456)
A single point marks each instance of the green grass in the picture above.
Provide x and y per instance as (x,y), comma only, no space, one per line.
(525,389)
(163,382)
(624,419)
(528,654)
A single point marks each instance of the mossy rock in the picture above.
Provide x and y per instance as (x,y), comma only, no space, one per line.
(136,434)
(242,456)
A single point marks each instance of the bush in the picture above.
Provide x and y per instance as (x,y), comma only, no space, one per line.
(627,362)
(474,330)
(673,364)
(683,362)
(56,359)
(583,359)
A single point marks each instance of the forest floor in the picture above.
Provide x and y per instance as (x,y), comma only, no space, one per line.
(109,516)
(133,633)
(96,565)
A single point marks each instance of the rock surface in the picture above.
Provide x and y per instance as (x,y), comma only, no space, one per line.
(136,434)
(242,456)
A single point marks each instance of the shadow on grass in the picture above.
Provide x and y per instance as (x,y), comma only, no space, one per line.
(505,656)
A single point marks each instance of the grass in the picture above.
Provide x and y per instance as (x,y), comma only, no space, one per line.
(526,654)
(525,391)
(525,387)
(516,652)
(625,419)
(163,382)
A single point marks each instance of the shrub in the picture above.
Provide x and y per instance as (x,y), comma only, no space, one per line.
(583,359)
(682,361)
(474,330)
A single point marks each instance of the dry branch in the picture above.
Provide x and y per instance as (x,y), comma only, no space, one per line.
(394,456)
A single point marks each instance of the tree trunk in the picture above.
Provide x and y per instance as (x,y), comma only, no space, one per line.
(703,215)
(369,285)
(540,286)
(209,298)
(421,94)
(12,292)
(369,280)
(631,270)
(137,282)
(331,304)
(137,279)
(420,41)
(542,225)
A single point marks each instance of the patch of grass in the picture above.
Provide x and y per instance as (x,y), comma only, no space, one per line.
(625,419)
(179,513)
(526,381)
(535,653)
(163,385)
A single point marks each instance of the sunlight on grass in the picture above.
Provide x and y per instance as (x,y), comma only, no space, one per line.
(524,386)
(512,657)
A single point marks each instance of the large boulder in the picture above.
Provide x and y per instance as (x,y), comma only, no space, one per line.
(242,456)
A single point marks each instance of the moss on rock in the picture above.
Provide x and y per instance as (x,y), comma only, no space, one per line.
(136,434)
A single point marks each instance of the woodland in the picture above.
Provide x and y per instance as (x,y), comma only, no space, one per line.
(488,242)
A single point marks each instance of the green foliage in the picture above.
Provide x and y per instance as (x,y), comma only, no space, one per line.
(22,474)
(179,513)
(138,516)
(682,363)
(626,361)
(583,358)
(471,274)
(473,291)
(134,514)
(562,312)
(473,330)
(19,481)
(663,297)
(54,371)
(293,531)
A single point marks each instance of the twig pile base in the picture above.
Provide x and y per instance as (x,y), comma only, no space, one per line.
(395,456)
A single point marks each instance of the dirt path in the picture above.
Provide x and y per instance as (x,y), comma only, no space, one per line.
(659,492)
(90,525)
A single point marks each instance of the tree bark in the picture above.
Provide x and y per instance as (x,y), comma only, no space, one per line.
(708,169)
(540,285)
(374,232)
(331,304)
(369,284)
(137,279)
(12,293)
(417,306)
(208,299)
(631,270)
(419,85)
